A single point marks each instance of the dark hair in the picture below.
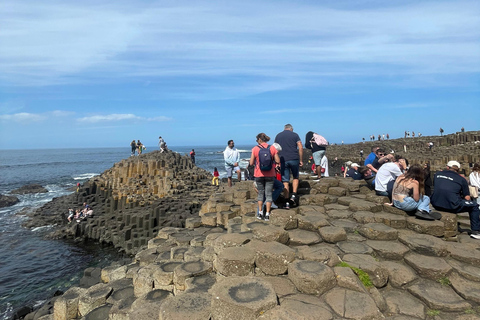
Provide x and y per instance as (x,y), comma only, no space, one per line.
(380,150)
(374,148)
(215,169)
(415,172)
(476,167)
(262,136)
(229,141)
(363,169)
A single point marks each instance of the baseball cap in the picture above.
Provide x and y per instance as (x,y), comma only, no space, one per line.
(277,146)
(453,163)
(354,165)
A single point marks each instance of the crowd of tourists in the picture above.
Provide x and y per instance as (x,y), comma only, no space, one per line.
(409,188)
(82,213)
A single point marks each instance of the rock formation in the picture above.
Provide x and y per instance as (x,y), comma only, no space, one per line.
(7,201)
(30,188)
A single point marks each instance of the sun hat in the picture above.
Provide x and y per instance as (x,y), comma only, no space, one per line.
(453,163)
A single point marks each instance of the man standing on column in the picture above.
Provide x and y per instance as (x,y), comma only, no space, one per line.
(291,158)
(232,157)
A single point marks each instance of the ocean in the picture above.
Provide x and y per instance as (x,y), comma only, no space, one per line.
(33,268)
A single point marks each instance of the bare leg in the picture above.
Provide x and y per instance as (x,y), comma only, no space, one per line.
(260,205)
(318,169)
(269,206)
(239,175)
(286,189)
(295,185)
(230,181)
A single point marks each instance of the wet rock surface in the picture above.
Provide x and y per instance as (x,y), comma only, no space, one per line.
(7,201)
(30,188)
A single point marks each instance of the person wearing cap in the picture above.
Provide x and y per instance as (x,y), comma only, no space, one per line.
(451,194)
(353,172)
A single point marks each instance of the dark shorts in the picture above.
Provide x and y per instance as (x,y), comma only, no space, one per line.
(286,167)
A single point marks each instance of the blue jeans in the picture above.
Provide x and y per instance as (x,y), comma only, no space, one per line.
(409,204)
(286,166)
(473,211)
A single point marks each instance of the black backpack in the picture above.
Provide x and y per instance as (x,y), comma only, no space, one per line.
(265,160)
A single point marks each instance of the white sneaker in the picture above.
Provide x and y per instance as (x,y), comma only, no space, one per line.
(260,215)
(475,235)
(274,206)
(267,216)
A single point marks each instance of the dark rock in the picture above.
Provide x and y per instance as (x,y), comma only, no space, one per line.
(7,201)
(30,188)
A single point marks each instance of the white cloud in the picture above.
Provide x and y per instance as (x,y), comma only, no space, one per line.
(244,47)
(120,117)
(22,117)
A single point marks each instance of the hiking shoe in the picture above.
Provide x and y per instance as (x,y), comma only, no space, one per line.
(267,217)
(260,215)
(475,235)
(287,206)
(292,198)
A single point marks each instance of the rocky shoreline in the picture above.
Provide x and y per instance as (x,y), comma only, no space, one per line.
(201,254)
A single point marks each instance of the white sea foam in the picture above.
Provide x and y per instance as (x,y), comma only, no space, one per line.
(43,227)
(85,176)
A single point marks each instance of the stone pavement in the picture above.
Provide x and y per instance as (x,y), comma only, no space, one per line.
(341,254)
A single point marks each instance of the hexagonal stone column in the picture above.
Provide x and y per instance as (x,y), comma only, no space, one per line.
(189,269)
(148,306)
(311,277)
(378,231)
(353,304)
(94,297)
(66,306)
(235,261)
(333,234)
(377,272)
(242,298)
(272,258)
(163,275)
(186,306)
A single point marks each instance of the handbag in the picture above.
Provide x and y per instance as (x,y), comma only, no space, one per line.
(473,191)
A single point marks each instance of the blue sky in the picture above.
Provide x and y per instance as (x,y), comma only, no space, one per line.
(101,73)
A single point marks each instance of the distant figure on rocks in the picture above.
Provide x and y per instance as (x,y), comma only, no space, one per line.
(441,131)
(379,137)
(363,140)
(139,147)
(405,134)
(71,215)
(463,129)
(430,145)
(232,158)
(192,155)
(318,145)
(451,194)
(291,159)
(161,144)
(133,145)
(419,134)
(361,154)
(215,177)
(388,136)
(383,137)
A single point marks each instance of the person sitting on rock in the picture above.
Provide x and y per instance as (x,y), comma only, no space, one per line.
(451,194)
(387,173)
(368,176)
(408,194)
(353,172)
(380,158)
(369,159)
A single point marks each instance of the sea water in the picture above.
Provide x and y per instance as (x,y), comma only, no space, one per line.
(33,268)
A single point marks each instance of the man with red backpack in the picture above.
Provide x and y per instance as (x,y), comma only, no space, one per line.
(318,145)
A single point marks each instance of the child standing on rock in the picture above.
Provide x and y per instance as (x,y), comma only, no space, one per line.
(215,177)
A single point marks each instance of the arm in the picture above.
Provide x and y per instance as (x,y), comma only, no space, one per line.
(388,157)
(416,190)
(237,160)
(252,159)
(300,152)
(276,158)
(372,167)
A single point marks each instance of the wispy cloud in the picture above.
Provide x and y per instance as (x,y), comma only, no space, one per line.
(22,117)
(120,117)
(247,47)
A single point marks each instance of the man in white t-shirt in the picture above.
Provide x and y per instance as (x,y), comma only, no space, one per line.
(324,165)
(389,172)
(232,158)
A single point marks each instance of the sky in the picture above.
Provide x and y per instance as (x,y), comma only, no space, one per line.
(198,73)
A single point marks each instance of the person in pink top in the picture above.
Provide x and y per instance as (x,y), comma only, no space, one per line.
(264,174)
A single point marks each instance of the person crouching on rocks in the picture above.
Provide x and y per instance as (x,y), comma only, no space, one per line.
(408,194)
(71,215)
